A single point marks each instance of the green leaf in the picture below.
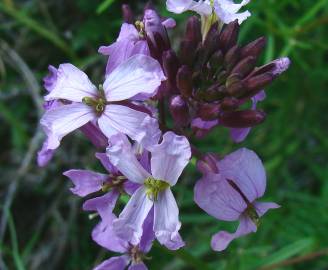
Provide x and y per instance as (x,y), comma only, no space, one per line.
(104,5)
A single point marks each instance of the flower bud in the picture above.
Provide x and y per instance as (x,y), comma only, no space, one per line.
(232,57)
(179,111)
(193,30)
(245,66)
(184,81)
(208,111)
(255,84)
(216,60)
(229,104)
(211,42)
(229,36)
(187,52)
(128,16)
(242,119)
(170,66)
(254,48)
(208,164)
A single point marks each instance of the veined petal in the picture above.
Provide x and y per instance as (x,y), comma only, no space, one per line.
(222,239)
(246,170)
(129,224)
(114,263)
(140,74)
(139,126)
(148,235)
(217,198)
(166,221)
(86,182)
(227,10)
(72,84)
(62,120)
(121,155)
(179,6)
(170,157)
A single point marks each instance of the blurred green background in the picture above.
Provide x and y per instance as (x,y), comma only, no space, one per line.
(42,225)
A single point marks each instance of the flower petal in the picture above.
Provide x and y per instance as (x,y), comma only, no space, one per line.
(222,239)
(179,6)
(114,263)
(139,266)
(86,182)
(227,10)
(217,198)
(170,157)
(140,74)
(129,224)
(103,158)
(166,221)
(121,155)
(139,126)
(263,207)
(62,120)
(246,170)
(148,235)
(44,155)
(72,84)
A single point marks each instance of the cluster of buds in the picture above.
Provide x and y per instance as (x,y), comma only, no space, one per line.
(206,84)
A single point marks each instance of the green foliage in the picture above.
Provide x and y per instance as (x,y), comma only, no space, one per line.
(47,229)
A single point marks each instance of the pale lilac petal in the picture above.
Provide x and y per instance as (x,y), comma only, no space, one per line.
(222,239)
(263,207)
(140,47)
(217,198)
(49,81)
(139,74)
(227,10)
(201,128)
(104,235)
(72,84)
(121,155)
(86,182)
(282,64)
(139,126)
(179,6)
(148,235)
(103,158)
(44,155)
(104,205)
(139,266)
(114,263)
(94,134)
(129,224)
(166,221)
(239,134)
(128,31)
(169,23)
(170,157)
(130,187)
(60,121)
(246,170)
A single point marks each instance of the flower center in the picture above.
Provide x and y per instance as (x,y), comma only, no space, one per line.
(99,103)
(141,28)
(115,182)
(154,187)
(136,254)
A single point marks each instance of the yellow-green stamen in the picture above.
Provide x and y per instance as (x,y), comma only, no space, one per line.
(252,214)
(141,28)
(98,104)
(154,187)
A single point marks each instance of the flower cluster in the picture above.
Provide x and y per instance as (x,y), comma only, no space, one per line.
(206,84)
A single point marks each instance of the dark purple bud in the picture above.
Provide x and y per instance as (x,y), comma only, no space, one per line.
(245,66)
(254,48)
(170,66)
(229,36)
(208,111)
(216,60)
(255,84)
(193,30)
(208,163)
(180,111)
(242,119)
(184,81)
(232,57)
(214,93)
(229,104)
(201,57)
(128,16)
(187,52)
(212,40)
(236,89)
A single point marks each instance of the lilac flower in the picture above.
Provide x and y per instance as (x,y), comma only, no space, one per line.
(168,159)
(140,74)
(225,10)
(230,193)
(133,255)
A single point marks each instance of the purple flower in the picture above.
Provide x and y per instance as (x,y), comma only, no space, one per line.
(140,74)
(132,256)
(168,159)
(231,194)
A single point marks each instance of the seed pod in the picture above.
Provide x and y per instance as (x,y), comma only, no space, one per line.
(229,36)
(193,30)
(184,81)
(254,48)
(179,111)
(242,119)
(245,66)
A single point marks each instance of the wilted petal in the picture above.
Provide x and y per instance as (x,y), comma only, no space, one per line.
(140,74)
(139,266)
(166,221)
(121,155)
(170,157)
(72,84)
(263,207)
(217,197)
(114,263)
(179,6)
(129,224)
(246,170)
(139,126)
(85,182)
(222,239)
(227,10)
(60,121)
